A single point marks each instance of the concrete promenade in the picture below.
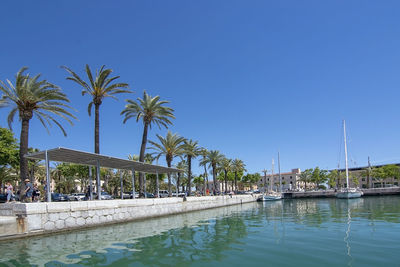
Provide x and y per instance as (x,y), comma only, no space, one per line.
(24,219)
(332,193)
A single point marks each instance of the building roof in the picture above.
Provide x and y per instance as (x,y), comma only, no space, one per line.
(67,155)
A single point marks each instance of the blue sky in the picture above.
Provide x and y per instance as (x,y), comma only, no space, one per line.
(247,78)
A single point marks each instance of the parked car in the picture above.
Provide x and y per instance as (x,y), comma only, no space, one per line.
(163,193)
(59,197)
(104,196)
(148,195)
(76,197)
(3,198)
(128,195)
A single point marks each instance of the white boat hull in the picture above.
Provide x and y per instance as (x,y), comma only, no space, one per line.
(349,194)
(269,197)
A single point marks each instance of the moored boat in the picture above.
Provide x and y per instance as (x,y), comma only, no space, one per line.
(270,196)
(348,192)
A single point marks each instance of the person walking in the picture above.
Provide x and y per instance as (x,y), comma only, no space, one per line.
(28,191)
(9,191)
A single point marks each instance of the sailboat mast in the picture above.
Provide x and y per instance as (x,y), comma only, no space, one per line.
(272,177)
(280,178)
(345,153)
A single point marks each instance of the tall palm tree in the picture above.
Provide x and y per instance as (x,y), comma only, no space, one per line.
(226,166)
(182,165)
(171,146)
(203,162)
(191,149)
(29,97)
(98,88)
(237,167)
(213,159)
(152,111)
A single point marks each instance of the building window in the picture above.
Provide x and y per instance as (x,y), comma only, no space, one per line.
(363,179)
(291,177)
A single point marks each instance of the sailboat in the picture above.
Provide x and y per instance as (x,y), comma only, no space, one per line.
(348,192)
(272,195)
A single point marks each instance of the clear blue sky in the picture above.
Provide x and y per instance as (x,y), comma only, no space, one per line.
(247,78)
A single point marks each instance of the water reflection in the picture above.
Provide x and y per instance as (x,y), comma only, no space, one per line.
(351,204)
(159,238)
(291,231)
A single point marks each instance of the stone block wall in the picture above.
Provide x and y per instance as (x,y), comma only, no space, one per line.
(34,218)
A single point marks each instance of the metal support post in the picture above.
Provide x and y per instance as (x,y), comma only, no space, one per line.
(122,184)
(133,183)
(157,186)
(90,184)
(98,180)
(177,185)
(48,191)
(144,184)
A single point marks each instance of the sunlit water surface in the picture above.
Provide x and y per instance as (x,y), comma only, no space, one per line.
(311,232)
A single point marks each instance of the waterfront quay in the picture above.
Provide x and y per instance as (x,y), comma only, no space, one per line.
(25,219)
(332,193)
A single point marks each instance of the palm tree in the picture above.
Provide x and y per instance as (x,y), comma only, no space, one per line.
(33,97)
(151,110)
(182,165)
(237,167)
(191,149)
(170,146)
(99,88)
(213,158)
(203,162)
(305,177)
(226,166)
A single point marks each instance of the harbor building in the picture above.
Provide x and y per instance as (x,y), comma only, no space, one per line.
(358,177)
(290,180)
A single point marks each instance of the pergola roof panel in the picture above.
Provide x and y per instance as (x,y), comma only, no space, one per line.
(67,155)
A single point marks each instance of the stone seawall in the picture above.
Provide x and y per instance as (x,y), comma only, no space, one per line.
(22,219)
(332,193)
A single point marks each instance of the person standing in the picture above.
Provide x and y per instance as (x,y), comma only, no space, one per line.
(36,193)
(9,191)
(28,191)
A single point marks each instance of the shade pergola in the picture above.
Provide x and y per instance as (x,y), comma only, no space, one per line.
(67,155)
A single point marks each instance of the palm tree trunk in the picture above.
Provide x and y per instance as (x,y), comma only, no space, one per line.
(178,181)
(205,179)
(236,182)
(226,181)
(214,180)
(23,149)
(96,129)
(169,179)
(189,189)
(141,155)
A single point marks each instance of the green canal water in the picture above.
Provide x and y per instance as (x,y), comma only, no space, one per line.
(309,232)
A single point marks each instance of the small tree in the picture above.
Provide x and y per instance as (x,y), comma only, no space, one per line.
(8,154)
(333,176)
